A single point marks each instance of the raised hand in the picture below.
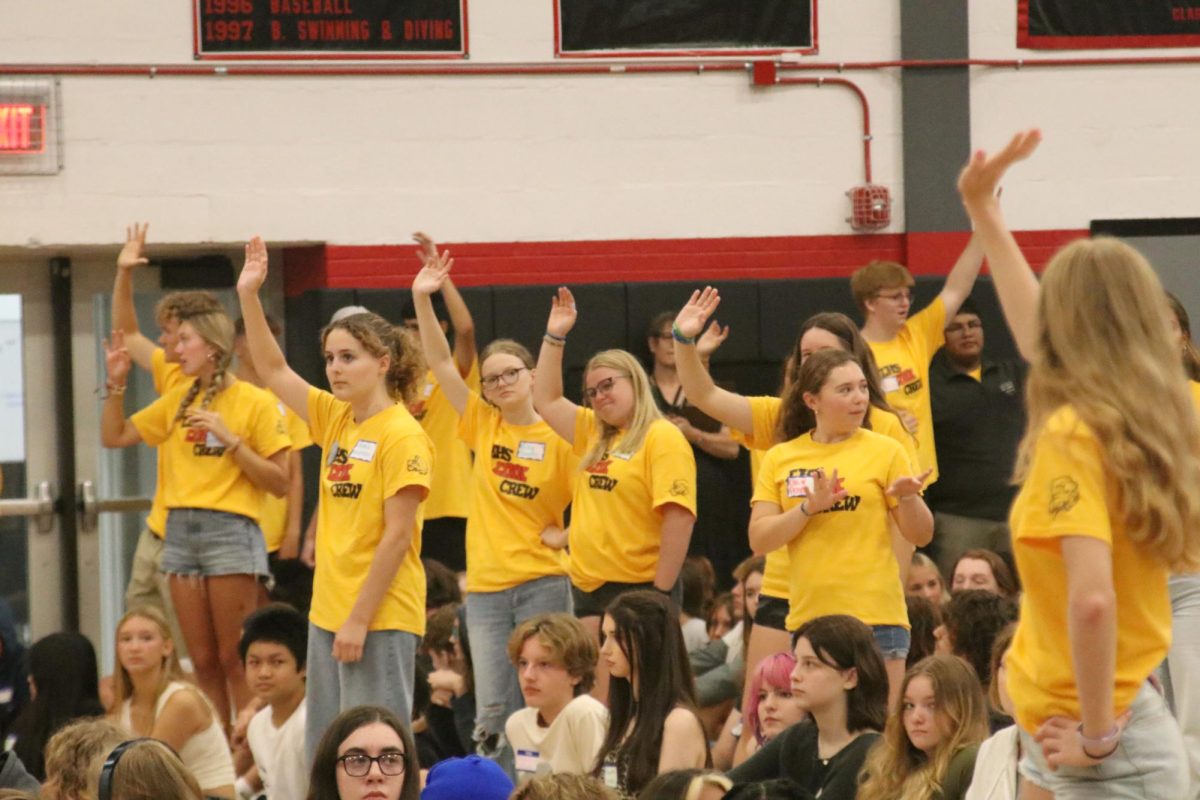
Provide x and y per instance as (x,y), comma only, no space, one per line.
(979,181)
(117,360)
(908,486)
(133,254)
(428,249)
(691,318)
(431,276)
(712,338)
(254,271)
(562,313)
(826,491)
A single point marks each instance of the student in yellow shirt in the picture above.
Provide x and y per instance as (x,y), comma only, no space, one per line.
(368,606)
(828,495)
(903,346)
(519,488)
(1109,505)
(222,443)
(444,534)
(634,500)
(758,423)
(147,582)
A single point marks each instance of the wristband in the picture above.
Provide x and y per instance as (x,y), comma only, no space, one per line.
(678,336)
(1107,743)
(804,508)
(554,341)
(556,337)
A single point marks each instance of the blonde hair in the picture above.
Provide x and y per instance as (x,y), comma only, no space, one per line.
(215,328)
(74,756)
(171,670)
(563,786)
(380,338)
(645,410)
(896,769)
(177,306)
(1104,347)
(878,276)
(149,770)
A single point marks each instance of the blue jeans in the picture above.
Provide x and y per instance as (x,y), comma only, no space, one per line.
(1181,670)
(491,618)
(893,641)
(382,677)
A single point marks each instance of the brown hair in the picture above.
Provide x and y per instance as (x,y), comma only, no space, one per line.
(382,339)
(1191,356)
(510,347)
(1000,571)
(563,786)
(999,649)
(813,374)
(875,277)
(180,305)
(567,640)
(215,328)
(322,783)
(150,770)
(74,755)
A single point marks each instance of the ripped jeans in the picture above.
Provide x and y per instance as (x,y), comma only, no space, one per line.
(491,618)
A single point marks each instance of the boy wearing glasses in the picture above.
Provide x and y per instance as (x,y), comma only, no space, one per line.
(902,345)
(273,647)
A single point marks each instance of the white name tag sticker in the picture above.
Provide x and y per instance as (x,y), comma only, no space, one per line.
(527,760)
(428,389)
(363,450)
(623,456)
(890,384)
(211,440)
(610,776)
(532,451)
(799,485)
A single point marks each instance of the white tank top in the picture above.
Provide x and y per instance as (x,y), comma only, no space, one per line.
(206,754)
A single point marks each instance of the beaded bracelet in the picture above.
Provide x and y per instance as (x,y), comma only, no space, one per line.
(679,337)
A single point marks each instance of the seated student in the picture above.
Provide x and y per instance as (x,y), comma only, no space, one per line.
(74,756)
(983,569)
(840,680)
(973,619)
(64,684)
(146,769)
(996,776)
(365,752)
(459,778)
(562,726)
(687,784)
(451,713)
(563,786)
(925,619)
(771,710)
(925,579)
(273,647)
(932,735)
(721,618)
(652,699)
(692,604)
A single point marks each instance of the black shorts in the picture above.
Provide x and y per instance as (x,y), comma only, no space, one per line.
(772,612)
(592,604)
(444,539)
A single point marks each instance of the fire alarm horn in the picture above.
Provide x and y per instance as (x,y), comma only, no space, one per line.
(870,207)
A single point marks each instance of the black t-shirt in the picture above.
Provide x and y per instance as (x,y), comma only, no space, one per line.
(977,426)
(793,754)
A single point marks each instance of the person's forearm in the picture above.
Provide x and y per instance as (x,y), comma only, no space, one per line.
(433,340)
(460,316)
(112,420)
(717,445)
(961,279)
(547,384)
(1092,628)
(295,501)
(264,473)
(702,391)
(389,555)
(676,536)
(769,533)
(915,520)
(264,350)
(1016,285)
(123,313)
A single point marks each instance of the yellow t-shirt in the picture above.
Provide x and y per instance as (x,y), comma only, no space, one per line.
(765,411)
(842,562)
(440,421)
(166,377)
(616,518)
(203,474)
(1067,493)
(1195,389)
(273,520)
(904,369)
(363,465)
(521,483)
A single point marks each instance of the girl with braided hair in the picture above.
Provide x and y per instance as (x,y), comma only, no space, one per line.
(223,447)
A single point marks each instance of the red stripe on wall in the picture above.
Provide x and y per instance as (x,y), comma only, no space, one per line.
(610,261)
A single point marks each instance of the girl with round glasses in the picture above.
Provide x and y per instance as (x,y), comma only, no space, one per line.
(634,501)
(520,487)
(365,752)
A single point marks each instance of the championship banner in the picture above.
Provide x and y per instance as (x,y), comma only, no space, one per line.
(607,28)
(1100,24)
(330,29)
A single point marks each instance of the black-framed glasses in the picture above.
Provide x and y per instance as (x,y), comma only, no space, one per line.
(507,378)
(603,387)
(358,765)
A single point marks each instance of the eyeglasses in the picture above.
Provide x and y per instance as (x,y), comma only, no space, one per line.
(358,765)
(959,327)
(508,377)
(903,294)
(603,387)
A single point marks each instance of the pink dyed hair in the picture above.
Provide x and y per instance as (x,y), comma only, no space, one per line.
(774,671)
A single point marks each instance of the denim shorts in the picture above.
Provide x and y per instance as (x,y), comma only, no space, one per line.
(772,612)
(1149,762)
(206,543)
(893,641)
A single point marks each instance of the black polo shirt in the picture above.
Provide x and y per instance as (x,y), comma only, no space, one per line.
(977,426)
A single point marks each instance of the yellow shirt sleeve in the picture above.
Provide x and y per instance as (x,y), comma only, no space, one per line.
(585,430)
(322,406)
(165,374)
(1067,487)
(766,490)
(473,420)
(765,413)
(672,468)
(267,433)
(929,328)
(297,431)
(153,422)
(405,462)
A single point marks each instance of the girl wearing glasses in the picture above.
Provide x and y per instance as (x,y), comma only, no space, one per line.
(634,502)
(520,486)
(366,752)
(368,603)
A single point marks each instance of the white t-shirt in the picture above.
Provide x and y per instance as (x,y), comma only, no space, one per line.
(279,754)
(570,744)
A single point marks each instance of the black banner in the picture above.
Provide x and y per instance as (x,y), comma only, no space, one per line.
(653,26)
(1098,24)
(300,29)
